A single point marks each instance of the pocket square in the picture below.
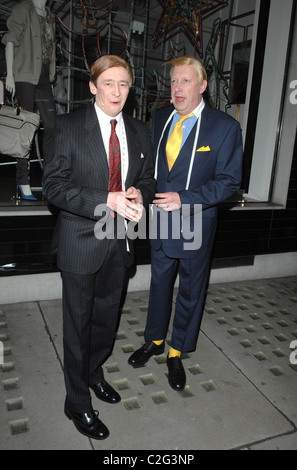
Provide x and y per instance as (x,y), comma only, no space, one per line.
(203,149)
(142,156)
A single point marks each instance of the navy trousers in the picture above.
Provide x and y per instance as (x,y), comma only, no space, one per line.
(193,278)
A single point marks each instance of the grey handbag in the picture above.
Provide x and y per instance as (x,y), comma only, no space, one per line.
(17,129)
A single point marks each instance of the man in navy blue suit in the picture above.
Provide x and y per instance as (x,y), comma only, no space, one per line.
(198,164)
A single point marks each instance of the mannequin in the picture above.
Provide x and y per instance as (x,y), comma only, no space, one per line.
(30,65)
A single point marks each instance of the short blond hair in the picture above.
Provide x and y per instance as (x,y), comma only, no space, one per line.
(106,62)
(189,60)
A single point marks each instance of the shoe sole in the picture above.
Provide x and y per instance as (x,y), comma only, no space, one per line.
(84,432)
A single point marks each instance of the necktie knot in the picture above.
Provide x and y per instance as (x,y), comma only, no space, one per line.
(113,123)
(183,118)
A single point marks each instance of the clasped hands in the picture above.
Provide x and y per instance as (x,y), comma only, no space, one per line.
(128,204)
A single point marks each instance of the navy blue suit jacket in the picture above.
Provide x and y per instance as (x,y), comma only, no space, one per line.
(216,175)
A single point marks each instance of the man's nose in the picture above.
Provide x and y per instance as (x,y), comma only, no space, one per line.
(117,90)
(176,86)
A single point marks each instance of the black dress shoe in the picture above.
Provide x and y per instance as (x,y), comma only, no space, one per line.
(176,373)
(143,354)
(105,392)
(88,424)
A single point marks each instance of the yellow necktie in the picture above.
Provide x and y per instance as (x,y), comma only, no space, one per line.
(175,141)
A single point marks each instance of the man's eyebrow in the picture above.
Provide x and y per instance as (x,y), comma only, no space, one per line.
(182,78)
(113,81)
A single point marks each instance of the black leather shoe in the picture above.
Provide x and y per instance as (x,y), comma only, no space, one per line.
(143,354)
(105,392)
(176,373)
(88,424)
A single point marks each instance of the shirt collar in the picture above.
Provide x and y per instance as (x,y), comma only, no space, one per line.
(197,111)
(104,119)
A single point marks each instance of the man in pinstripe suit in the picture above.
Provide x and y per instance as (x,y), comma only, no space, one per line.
(77,179)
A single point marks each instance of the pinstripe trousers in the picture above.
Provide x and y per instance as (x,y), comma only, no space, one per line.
(90,316)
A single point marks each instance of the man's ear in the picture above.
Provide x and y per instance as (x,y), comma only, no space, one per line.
(203,86)
(93,88)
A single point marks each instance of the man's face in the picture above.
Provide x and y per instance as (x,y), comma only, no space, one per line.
(111,90)
(186,89)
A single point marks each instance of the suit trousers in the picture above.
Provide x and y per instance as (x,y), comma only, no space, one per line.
(90,316)
(41,96)
(193,277)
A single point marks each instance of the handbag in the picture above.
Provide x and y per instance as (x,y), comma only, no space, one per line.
(17,129)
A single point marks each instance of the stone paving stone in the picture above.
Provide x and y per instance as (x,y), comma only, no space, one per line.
(240,392)
(32,388)
(264,315)
(220,407)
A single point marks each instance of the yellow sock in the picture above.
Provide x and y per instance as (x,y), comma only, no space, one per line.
(158,343)
(174,353)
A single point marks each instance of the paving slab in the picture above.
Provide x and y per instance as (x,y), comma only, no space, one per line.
(32,386)
(254,325)
(241,386)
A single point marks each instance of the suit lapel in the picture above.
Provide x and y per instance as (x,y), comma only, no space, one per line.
(134,151)
(163,148)
(205,125)
(94,142)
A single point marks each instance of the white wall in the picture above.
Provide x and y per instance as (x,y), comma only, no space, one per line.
(37,287)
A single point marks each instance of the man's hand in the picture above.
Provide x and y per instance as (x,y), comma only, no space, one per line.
(128,204)
(136,202)
(168,201)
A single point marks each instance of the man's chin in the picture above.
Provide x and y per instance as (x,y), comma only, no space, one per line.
(180,105)
(116,109)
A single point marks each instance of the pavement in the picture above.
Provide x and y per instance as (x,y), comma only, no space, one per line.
(241,391)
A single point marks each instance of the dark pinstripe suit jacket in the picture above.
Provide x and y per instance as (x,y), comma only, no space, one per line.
(76,181)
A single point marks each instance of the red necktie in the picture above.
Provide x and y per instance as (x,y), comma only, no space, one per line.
(115,177)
